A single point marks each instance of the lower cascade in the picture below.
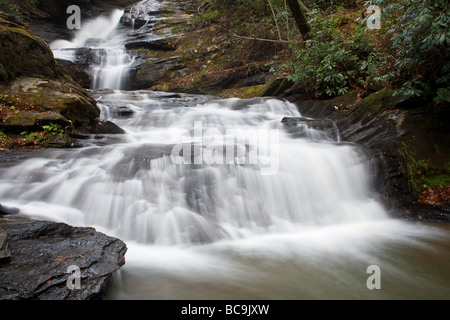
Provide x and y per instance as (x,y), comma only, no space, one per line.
(218,196)
(219,199)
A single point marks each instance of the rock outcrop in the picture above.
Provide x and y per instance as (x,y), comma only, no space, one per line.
(36,90)
(47,18)
(38,254)
(22,53)
(78,75)
(407,142)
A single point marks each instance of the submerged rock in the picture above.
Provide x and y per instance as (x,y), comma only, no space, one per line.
(41,253)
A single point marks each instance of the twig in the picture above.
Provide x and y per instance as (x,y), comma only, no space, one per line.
(304,7)
(287,21)
(259,39)
(276,20)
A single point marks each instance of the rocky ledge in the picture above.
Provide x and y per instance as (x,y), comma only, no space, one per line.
(42,100)
(35,257)
(406,141)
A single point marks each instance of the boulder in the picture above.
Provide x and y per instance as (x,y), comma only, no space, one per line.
(150,73)
(41,253)
(78,75)
(108,127)
(22,53)
(39,89)
(7,210)
(36,90)
(49,100)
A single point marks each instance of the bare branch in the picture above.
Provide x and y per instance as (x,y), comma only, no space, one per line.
(276,20)
(304,7)
(259,39)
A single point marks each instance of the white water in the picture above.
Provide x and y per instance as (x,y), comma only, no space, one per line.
(111,61)
(307,231)
(103,39)
(300,223)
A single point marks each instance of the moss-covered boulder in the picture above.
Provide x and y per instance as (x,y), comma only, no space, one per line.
(35,91)
(48,101)
(22,53)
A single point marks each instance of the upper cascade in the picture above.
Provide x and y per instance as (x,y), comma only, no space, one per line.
(99,46)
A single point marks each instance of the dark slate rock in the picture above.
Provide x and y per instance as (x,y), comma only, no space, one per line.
(5,253)
(42,251)
(108,127)
(7,210)
(78,75)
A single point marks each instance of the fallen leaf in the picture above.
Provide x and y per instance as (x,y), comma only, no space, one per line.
(61,259)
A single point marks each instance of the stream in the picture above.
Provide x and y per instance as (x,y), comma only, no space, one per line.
(216,199)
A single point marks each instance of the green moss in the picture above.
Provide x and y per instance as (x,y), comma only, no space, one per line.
(244,93)
(437,181)
(422,174)
(10,7)
(412,169)
(203,19)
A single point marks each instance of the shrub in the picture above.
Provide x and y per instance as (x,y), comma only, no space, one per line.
(330,62)
(421,39)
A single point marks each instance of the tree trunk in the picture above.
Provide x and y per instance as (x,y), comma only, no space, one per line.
(300,18)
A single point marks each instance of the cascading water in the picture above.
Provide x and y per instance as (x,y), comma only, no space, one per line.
(101,42)
(217,200)
(299,222)
(110,61)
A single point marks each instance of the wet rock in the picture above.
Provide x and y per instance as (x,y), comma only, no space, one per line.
(44,93)
(395,132)
(121,111)
(56,100)
(316,129)
(425,213)
(148,74)
(5,253)
(7,210)
(277,86)
(42,251)
(22,53)
(152,44)
(78,75)
(32,121)
(84,57)
(108,127)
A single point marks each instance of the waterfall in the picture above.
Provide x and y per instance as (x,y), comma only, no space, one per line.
(279,184)
(220,199)
(264,213)
(101,38)
(101,43)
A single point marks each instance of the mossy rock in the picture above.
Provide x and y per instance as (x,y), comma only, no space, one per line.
(22,53)
(425,147)
(66,99)
(32,121)
(244,93)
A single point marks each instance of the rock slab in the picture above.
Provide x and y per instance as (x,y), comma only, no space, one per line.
(41,253)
